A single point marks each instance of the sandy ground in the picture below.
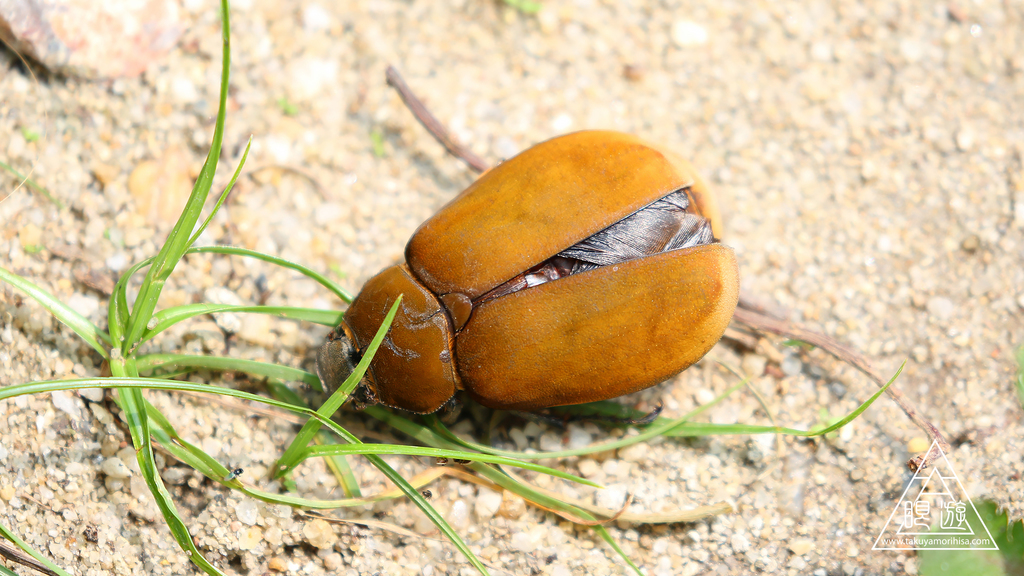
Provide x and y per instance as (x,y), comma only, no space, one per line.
(867,155)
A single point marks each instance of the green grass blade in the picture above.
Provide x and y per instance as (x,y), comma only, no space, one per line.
(688,428)
(164,319)
(320,278)
(32,184)
(528,493)
(118,310)
(607,537)
(525,6)
(177,241)
(13,538)
(657,428)
(161,363)
(339,465)
(85,329)
(293,454)
(394,449)
(340,468)
(134,406)
(223,195)
(431,513)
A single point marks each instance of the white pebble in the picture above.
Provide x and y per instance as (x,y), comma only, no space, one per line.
(612,497)
(704,396)
(740,542)
(519,437)
(84,304)
(821,51)
(92,394)
(579,438)
(311,75)
(912,50)
(688,33)
(117,262)
(965,140)
(791,366)
(184,90)
(113,467)
(550,442)
(458,515)
(525,542)
(278,147)
(940,307)
(561,123)
(66,403)
(247,512)
(487,503)
(315,18)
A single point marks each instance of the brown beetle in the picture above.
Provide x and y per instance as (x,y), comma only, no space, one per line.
(585,268)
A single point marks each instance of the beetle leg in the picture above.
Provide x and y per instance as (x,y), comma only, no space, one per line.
(363,396)
(450,410)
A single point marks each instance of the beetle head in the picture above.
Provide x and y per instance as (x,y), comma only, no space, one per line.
(335,362)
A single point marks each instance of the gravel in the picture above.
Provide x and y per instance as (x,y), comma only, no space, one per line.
(855,150)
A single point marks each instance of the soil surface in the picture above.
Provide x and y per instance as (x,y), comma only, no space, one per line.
(867,158)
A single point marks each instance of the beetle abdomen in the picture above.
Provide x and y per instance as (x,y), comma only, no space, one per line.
(599,334)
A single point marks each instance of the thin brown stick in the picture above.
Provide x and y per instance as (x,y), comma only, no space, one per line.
(797,331)
(756,312)
(17,555)
(432,124)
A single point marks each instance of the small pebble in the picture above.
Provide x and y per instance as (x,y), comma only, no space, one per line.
(918,444)
(519,437)
(801,546)
(248,538)
(512,505)
(753,364)
(686,33)
(114,468)
(84,304)
(838,389)
(941,308)
(550,442)
(66,402)
(315,18)
(965,140)
(704,396)
(487,504)
(612,497)
(458,515)
(579,438)
(319,533)
(247,512)
(791,365)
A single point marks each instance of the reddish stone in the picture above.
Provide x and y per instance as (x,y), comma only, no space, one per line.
(89,38)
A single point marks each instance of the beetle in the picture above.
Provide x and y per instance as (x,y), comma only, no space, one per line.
(585,268)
